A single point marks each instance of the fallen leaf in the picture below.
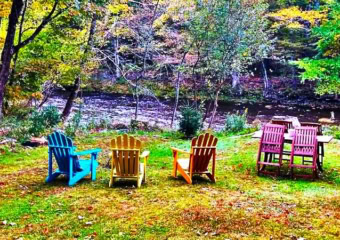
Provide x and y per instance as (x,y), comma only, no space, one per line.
(45,231)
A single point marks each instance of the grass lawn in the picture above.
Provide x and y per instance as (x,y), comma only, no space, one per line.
(240,205)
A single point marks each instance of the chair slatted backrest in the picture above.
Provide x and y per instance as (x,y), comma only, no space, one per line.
(317,125)
(126,151)
(203,147)
(61,148)
(286,123)
(305,140)
(272,138)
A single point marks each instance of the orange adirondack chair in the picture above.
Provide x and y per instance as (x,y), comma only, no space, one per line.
(126,155)
(203,149)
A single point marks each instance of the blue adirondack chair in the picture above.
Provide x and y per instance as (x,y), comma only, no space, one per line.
(61,147)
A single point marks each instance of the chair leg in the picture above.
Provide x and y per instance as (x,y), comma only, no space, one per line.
(144,176)
(271,156)
(262,168)
(51,177)
(314,174)
(72,181)
(174,172)
(211,177)
(186,176)
(112,181)
(139,181)
(94,165)
(291,162)
(322,153)
(175,164)
(258,162)
(259,167)
(291,172)
(93,173)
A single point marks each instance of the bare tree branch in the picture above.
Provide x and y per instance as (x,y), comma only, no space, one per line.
(44,22)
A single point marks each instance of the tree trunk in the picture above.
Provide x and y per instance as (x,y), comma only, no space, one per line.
(43,101)
(118,75)
(146,51)
(236,83)
(19,41)
(178,84)
(294,78)
(76,85)
(196,77)
(215,108)
(207,110)
(71,98)
(267,83)
(8,49)
(176,101)
(137,100)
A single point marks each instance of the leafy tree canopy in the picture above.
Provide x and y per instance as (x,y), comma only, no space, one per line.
(325,67)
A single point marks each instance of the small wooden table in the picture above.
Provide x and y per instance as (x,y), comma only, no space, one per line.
(288,139)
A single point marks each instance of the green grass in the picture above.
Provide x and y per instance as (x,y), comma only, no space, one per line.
(241,205)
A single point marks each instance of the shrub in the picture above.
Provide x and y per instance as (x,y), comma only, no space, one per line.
(190,121)
(93,124)
(38,123)
(16,129)
(334,131)
(136,125)
(51,116)
(72,128)
(41,121)
(236,122)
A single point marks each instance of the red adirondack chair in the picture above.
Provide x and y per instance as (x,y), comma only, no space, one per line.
(319,133)
(286,123)
(271,143)
(305,144)
(311,124)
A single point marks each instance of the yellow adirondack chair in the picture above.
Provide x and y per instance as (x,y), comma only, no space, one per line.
(203,149)
(126,155)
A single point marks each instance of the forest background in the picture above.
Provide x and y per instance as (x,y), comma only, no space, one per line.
(197,50)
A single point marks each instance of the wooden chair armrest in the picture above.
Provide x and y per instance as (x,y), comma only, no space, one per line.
(145,154)
(179,150)
(87,152)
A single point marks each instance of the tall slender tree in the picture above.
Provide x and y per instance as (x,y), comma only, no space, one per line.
(233,36)
(10,49)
